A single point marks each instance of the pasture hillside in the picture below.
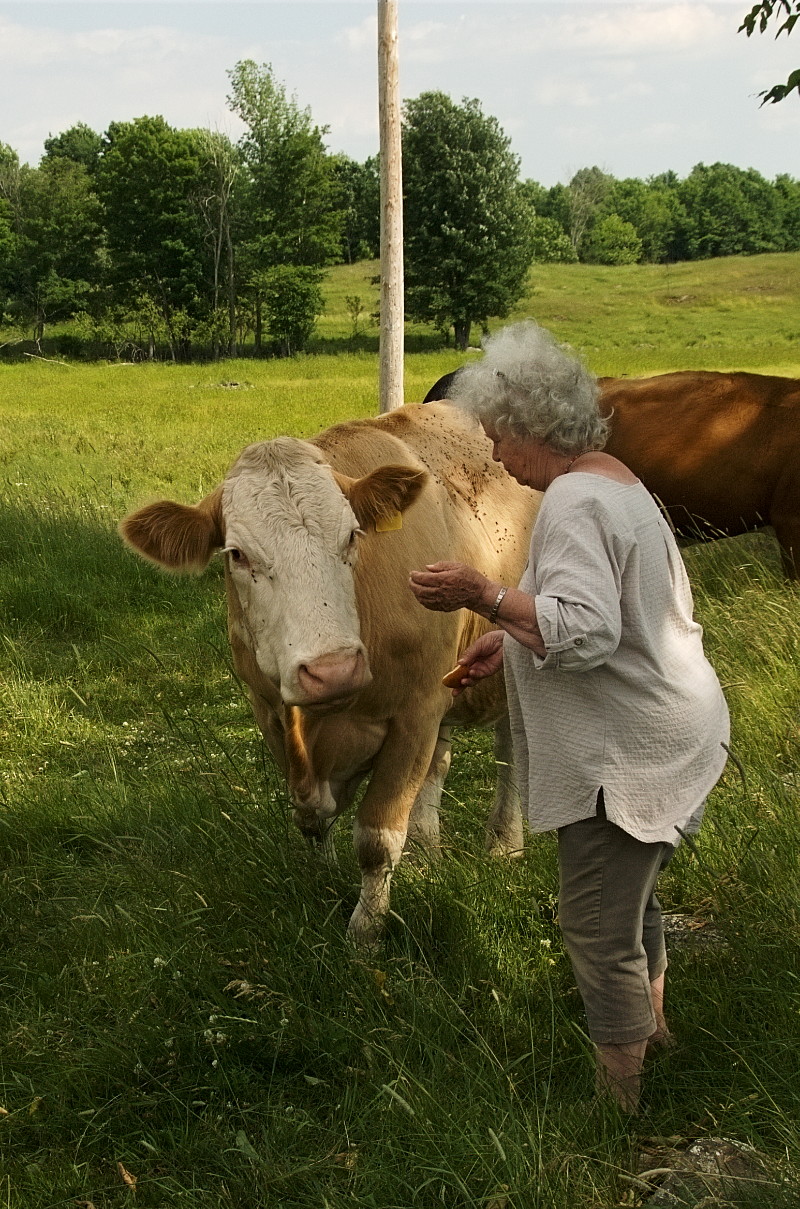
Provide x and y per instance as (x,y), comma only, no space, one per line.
(736,312)
(182,1021)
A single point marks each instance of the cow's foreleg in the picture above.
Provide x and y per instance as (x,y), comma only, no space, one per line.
(504,835)
(423,823)
(316,816)
(381,823)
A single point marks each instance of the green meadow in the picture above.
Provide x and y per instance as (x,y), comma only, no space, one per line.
(182,1022)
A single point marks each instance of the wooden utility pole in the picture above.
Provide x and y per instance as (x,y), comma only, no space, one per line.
(391,304)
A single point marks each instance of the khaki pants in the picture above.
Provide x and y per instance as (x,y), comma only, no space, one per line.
(611,922)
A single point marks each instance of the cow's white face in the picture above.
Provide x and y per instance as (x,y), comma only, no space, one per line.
(291,542)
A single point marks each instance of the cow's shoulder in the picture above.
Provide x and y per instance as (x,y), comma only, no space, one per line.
(709,389)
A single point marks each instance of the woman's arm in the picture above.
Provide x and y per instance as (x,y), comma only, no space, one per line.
(446,586)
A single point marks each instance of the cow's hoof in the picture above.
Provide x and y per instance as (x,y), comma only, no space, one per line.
(511,849)
(365,929)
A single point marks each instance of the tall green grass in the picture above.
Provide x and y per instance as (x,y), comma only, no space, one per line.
(178,994)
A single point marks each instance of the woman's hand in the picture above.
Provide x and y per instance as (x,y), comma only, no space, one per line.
(444,587)
(483,658)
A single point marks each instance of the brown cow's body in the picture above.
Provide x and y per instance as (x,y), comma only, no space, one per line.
(721,451)
(367,701)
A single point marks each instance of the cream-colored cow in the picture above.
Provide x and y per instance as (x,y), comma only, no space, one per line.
(342,665)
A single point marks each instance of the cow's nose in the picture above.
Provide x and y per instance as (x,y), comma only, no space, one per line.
(335,675)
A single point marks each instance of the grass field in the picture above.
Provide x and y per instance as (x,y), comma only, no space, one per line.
(182,1022)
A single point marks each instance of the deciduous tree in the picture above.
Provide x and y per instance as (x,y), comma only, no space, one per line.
(468,223)
(728,211)
(148,181)
(79,143)
(358,199)
(295,219)
(50,237)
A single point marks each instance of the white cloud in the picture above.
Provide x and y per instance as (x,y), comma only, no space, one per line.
(580,93)
(360,37)
(561,90)
(623,30)
(22,45)
(99,75)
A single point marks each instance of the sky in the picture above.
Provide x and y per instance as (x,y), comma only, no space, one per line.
(636,88)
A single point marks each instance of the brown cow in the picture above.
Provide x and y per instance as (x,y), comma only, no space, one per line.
(342,665)
(721,451)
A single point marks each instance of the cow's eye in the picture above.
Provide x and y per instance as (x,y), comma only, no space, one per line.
(236,556)
(354,536)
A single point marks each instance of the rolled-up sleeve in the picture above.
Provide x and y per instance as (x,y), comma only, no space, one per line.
(578,574)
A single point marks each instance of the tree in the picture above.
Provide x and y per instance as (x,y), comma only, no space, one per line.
(653,209)
(551,244)
(79,143)
(550,240)
(50,260)
(468,223)
(587,190)
(148,182)
(556,206)
(761,14)
(10,215)
(728,211)
(358,199)
(217,201)
(295,219)
(788,191)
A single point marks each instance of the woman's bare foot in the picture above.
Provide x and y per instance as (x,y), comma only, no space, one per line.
(662,1039)
(619,1069)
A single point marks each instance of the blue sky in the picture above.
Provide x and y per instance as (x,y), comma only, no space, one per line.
(636,88)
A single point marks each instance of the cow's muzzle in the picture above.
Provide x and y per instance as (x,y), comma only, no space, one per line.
(331,678)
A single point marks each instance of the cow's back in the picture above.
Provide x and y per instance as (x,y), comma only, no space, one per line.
(709,445)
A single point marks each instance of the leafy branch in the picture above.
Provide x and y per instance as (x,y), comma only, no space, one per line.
(760,16)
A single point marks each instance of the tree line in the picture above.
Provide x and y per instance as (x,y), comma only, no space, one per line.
(151,240)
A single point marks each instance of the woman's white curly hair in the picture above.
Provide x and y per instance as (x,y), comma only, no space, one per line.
(528,385)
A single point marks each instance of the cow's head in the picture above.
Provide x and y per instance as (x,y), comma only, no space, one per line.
(289,528)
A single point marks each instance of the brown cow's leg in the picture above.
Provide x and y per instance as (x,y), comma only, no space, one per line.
(788,535)
(423,823)
(784,516)
(381,823)
(504,836)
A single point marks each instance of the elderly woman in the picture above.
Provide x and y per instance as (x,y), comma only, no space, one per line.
(618,719)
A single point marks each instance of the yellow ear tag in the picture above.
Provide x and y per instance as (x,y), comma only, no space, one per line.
(387,524)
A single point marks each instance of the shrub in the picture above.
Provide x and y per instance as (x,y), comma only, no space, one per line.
(613,241)
(292,301)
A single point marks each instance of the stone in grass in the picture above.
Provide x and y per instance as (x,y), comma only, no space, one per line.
(708,1172)
(692,933)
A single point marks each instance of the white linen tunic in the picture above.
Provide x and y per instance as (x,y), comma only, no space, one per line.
(625,698)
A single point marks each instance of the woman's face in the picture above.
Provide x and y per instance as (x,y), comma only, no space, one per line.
(527,459)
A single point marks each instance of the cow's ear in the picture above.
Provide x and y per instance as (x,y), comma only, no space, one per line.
(383,493)
(178,537)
